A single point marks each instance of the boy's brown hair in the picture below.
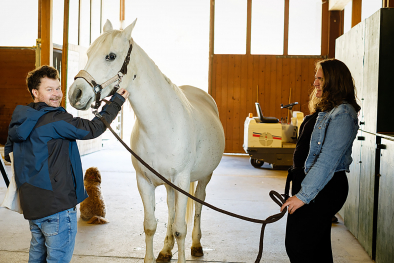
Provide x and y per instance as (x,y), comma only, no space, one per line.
(33,79)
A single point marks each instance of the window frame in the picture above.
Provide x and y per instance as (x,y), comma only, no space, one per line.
(324,32)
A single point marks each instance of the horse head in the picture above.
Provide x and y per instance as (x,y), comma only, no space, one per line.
(106,56)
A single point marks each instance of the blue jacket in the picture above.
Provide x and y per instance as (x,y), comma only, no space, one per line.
(330,149)
(48,169)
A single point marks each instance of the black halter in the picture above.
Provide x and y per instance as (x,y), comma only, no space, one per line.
(98,88)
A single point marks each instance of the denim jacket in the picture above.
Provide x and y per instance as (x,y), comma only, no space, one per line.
(330,149)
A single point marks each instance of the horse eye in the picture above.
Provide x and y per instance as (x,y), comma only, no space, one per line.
(110,57)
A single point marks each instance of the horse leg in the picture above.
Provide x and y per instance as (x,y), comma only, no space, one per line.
(196,234)
(165,254)
(147,192)
(179,227)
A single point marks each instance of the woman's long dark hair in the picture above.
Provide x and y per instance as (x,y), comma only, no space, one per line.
(338,86)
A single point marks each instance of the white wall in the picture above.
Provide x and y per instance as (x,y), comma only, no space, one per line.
(18,22)
(175,34)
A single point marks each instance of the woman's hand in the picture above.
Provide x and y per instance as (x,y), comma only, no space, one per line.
(293,203)
(125,94)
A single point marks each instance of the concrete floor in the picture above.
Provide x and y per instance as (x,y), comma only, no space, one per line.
(236,186)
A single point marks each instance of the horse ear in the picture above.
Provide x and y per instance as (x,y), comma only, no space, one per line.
(108,26)
(127,31)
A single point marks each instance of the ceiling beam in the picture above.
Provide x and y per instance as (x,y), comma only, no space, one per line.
(388,3)
(122,13)
(46,33)
(324,28)
(248,27)
(356,12)
(338,5)
(286,30)
(65,52)
(211,43)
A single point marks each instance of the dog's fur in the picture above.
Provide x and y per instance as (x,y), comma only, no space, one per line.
(93,207)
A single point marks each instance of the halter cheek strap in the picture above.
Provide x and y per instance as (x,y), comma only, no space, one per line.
(98,88)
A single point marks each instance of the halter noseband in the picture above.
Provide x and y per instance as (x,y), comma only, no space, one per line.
(98,88)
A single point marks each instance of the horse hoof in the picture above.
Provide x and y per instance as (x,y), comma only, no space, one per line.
(197,252)
(163,258)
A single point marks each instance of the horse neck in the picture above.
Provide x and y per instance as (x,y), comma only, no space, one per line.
(154,98)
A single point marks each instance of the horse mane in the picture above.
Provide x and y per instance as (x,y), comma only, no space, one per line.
(113,33)
(177,90)
(175,87)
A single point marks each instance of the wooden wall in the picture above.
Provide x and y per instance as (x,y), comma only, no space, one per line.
(385,222)
(15,63)
(233,79)
(238,81)
(367,50)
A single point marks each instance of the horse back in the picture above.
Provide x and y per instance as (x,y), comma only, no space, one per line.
(198,96)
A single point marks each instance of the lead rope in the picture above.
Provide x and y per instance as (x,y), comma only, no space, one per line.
(275,196)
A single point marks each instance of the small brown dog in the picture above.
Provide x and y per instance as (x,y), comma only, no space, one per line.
(93,207)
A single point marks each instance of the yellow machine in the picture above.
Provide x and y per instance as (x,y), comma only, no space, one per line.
(268,140)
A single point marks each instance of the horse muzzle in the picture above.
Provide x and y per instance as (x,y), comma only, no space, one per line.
(80,95)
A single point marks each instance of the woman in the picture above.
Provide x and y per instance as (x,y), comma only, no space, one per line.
(321,157)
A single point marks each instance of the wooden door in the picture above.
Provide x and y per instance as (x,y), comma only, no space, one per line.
(15,63)
(385,223)
(238,81)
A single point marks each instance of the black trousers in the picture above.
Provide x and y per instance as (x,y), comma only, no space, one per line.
(308,230)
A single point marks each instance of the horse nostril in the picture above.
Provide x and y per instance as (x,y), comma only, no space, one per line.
(78,94)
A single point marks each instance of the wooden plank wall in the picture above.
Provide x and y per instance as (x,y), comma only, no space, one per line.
(15,63)
(385,222)
(236,80)
(367,50)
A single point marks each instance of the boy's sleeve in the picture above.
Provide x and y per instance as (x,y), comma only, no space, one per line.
(8,148)
(67,127)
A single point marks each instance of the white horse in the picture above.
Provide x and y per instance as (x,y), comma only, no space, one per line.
(177,132)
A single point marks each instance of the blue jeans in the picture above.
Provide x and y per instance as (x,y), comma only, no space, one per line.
(53,237)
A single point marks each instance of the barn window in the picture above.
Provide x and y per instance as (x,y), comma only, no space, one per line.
(267,27)
(305,27)
(111,11)
(15,17)
(73,23)
(369,7)
(95,20)
(347,17)
(230,26)
(57,27)
(84,29)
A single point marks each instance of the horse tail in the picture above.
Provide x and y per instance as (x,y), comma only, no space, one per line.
(190,203)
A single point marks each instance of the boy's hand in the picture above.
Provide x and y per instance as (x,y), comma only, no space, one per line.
(125,94)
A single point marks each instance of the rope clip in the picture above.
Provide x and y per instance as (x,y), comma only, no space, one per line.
(98,115)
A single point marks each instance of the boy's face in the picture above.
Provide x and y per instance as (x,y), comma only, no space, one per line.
(49,92)
(319,81)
